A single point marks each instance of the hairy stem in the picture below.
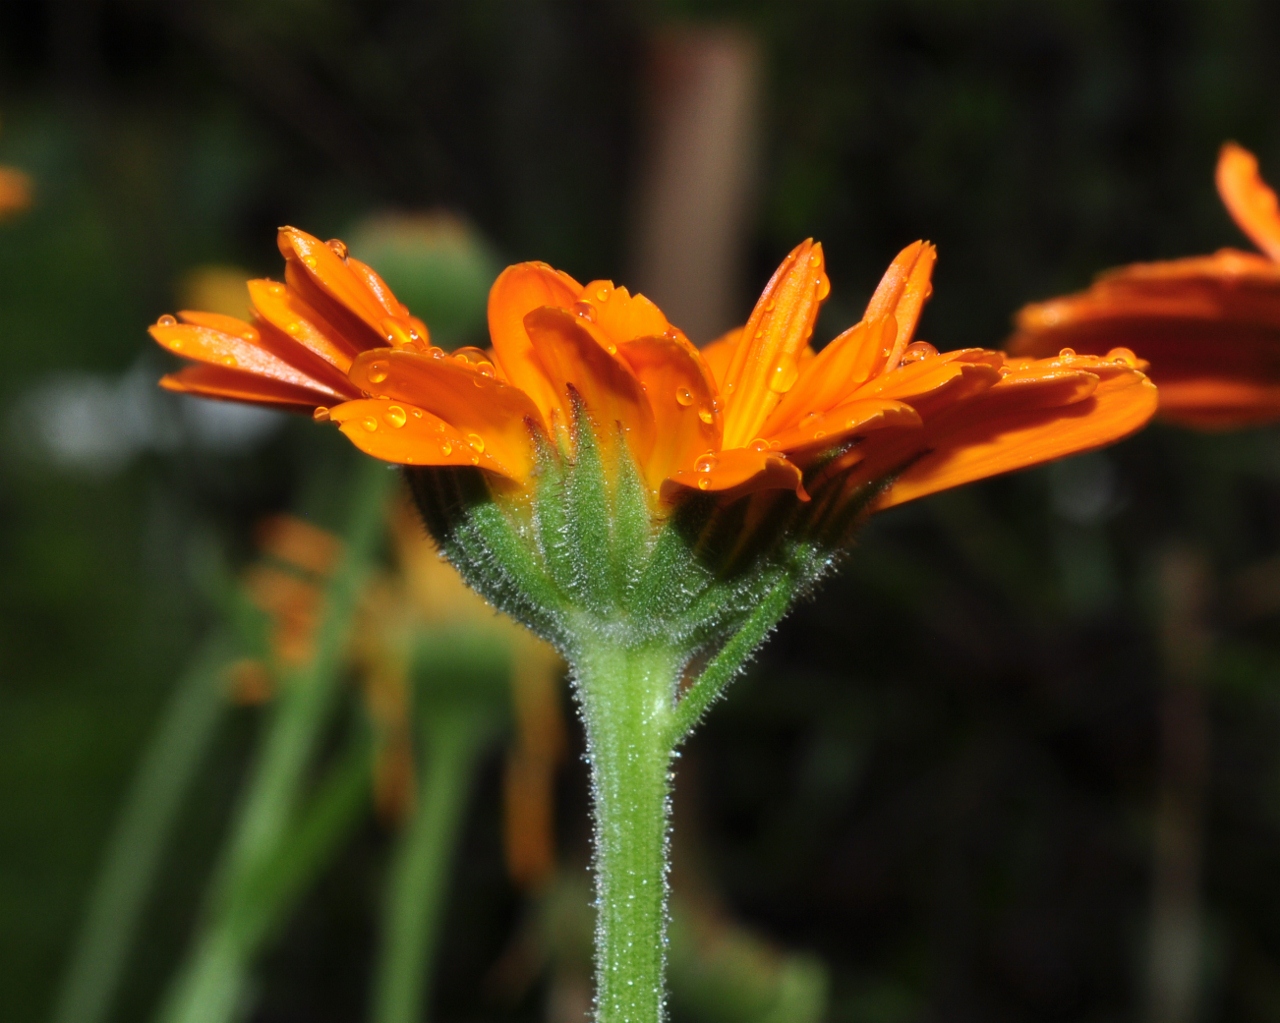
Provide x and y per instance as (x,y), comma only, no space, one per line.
(626,697)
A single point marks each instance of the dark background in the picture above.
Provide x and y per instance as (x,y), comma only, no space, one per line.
(941,776)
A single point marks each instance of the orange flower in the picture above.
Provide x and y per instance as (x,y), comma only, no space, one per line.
(1210,325)
(15,191)
(757,410)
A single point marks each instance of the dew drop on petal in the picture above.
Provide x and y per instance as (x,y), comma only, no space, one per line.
(476,442)
(395,417)
(602,295)
(249,335)
(369,423)
(819,434)
(475,459)
(824,287)
(916,351)
(706,415)
(417,413)
(167,321)
(321,414)
(783,377)
(760,444)
(704,483)
(1067,353)
(706,463)
(276,288)
(1123,357)
(486,370)
(294,327)
(684,396)
(586,310)
(815,260)
(446,448)
(309,261)
(436,353)
(377,372)
(339,247)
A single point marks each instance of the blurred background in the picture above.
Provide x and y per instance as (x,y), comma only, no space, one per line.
(1020,761)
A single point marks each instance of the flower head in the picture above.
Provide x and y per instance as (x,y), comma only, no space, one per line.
(759,410)
(1209,325)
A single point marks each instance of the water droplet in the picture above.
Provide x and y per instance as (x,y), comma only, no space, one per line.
(229,360)
(783,377)
(602,295)
(395,417)
(446,448)
(684,396)
(378,372)
(819,434)
(417,413)
(309,261)
(706,463)
(369,423)
(916,351)
(486,370)
(824,287)
(768,306)
(715,404)
(1123,357)
(249,335)
(338,246)
(475,459)
(321,414)
(760,445)
(436,353)
(167,321)
(1067,353)
(706,415)
(476,442)
(815,259)
(586,310)
(704,484)
(276,288)
(294,327)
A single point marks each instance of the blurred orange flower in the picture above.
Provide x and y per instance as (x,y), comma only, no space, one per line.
(1210,325)
(756,411)
(15,191)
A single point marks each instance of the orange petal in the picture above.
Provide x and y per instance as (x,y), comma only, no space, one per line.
(326,283)
(843,422)
(234,351)
(234,385)
(734,473)
(1007,428)
(835,372)
(286,311)
(765,365)
(402,433)
(518,291)
(686,416)
(472,403)
(719,354)
(1250,202)
(621,315)
(1209,404)
(902,293)
(916,381)
(377,287)
(574,358)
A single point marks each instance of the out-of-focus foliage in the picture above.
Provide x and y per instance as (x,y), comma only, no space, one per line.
(941,777)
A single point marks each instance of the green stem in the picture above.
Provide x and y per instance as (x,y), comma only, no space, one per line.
(151,807)
(729,661)
(267,810)
(452,739)
(626,696)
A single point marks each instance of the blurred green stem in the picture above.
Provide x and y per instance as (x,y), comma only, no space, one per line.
(452,739)
(151,807)
(219,962)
